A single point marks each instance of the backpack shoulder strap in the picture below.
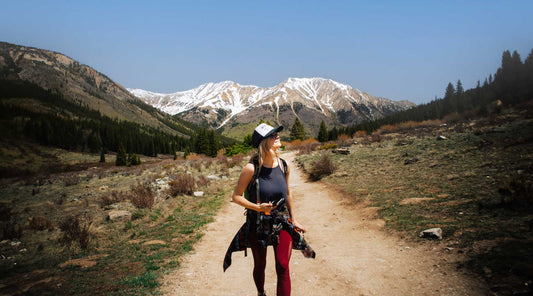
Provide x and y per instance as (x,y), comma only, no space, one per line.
(283,165)
(255,162)
(254,181)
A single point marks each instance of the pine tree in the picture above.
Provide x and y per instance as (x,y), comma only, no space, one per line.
(322,133)
(133,159)
(528,80)
(460,99)
(450,91)
(297,130)
(122,158)
(333,134)
(459,90)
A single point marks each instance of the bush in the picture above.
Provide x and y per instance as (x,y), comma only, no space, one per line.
(328,146)
(133,159)
(8,229)
(360,134)
(202,181)
(71,179)
(518,192)
(112,198)
(387,129)
(75,230)
(304,147)
(321,168)
(142,196)
(344,141)
(236,160)
(40,223)
(182,184)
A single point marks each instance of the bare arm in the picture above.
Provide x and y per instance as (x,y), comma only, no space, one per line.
(237,196)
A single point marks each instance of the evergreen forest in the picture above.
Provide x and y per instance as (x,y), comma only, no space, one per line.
(69,125)
(511,84)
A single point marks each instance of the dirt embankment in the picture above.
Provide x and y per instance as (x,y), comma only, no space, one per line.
(354,255)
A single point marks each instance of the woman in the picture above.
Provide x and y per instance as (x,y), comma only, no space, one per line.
(270,213)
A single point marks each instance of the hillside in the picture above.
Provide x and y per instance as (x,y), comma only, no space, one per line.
(80,84)
(471,178)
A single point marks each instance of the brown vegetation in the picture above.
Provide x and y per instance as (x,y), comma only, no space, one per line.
(75,230)
(48,217)
(142,196)
(182,184)
(321,168)
(40,223)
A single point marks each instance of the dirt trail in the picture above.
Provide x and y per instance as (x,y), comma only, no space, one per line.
(354,256)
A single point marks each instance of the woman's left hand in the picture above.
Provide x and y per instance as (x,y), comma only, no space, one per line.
(298,226)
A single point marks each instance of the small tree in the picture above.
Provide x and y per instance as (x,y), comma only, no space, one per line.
(322,133)
(122,158)
(297,130)
(134,159)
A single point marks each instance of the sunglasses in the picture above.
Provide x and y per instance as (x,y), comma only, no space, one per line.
(274,135)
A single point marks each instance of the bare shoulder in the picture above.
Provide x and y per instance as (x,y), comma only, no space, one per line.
(248,169)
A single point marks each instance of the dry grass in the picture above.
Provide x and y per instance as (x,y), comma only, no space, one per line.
(475,185)
(36,202)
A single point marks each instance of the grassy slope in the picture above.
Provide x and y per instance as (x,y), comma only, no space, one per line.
(475,185)
(125,265)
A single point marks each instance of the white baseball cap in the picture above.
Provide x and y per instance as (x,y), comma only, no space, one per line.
(263,131)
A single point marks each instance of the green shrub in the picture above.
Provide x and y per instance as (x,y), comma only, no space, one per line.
(328,146)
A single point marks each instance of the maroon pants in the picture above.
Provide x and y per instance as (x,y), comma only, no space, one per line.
(282,253)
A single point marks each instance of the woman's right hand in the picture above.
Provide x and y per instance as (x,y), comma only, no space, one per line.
(266,207)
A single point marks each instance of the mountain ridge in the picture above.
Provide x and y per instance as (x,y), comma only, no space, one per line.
(79,83)
(224,103)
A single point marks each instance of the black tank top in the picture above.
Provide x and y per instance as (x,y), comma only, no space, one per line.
(272,184)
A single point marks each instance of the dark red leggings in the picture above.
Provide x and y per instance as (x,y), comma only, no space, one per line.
(282,253)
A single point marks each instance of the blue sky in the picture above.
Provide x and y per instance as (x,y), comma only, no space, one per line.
(394,49)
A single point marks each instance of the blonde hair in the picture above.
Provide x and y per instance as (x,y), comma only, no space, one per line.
(262,151)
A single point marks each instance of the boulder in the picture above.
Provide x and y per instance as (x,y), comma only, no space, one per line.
(344,151)
(198,193)
(431,233)
(118,215)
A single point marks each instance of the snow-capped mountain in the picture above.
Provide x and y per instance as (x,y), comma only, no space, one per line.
(311,99)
